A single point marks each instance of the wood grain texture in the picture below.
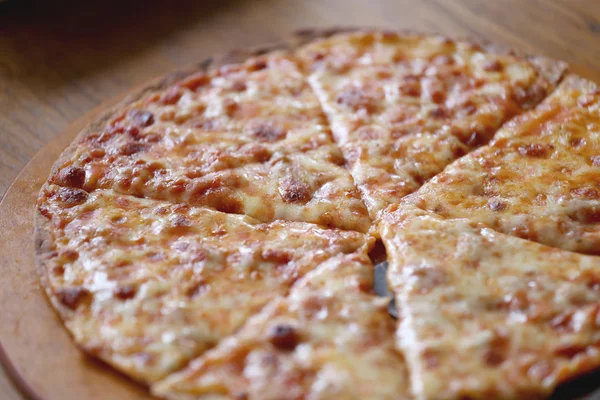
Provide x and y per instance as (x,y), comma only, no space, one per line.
(61,58)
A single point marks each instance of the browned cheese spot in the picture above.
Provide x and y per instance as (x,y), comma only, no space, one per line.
(267,132)
(238,86)
(293,190)
(497,350)
(277,256)
(439,112)
(72,197)
(131,148)
(73,297)
(125,292)
(536,150)
(171,96)
(587,193)
(195,81)
(493,66)
(284,337)
(69,255)
(570,351)
(197,289)
(72,177)
(258,65)
(142,118)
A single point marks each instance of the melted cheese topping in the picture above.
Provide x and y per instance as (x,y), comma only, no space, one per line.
(403,107)
(248,139)
(331,338)
(539,179)
(148,285)
(148,278)
(486,315)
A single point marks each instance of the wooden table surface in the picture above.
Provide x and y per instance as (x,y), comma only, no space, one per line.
(58,59)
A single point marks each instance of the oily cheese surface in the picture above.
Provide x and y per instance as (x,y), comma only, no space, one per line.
(487,315)
(210,237)
(330,338)
(247,138)
(539,179)
(147,285)
(404,107)
(519,316)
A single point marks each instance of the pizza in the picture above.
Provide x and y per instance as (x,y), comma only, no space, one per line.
(538,179)
(487,315)
(330,338)
(168,280)
(248,139)
(214,236)
(402,107)
(488,259)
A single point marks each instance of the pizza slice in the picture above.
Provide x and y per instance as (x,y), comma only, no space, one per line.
(265,97)
(331,338)
(539,179)
(224,138)
(486,315)
(403,106)
(147,285)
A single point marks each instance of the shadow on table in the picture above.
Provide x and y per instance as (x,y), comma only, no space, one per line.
(54,41)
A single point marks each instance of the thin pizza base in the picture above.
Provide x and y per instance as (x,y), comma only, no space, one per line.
(46,242)
(330,338)
(403,107)
(215,139)
(147,285)
(538,179)
(487,315)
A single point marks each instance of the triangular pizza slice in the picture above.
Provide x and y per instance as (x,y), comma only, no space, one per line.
(485,315)
(147,285)
(539,179)
(331,338)
(402,106)
(237,138)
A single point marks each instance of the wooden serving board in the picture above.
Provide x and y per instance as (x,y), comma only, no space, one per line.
(35,349)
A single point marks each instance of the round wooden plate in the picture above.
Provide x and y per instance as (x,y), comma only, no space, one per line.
(37,352)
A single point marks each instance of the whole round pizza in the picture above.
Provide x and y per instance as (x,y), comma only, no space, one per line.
(214,236)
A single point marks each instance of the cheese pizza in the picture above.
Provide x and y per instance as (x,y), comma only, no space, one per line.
(331,338)
(248,139)
(486,315)
(402,107)
(213,236)
(540,177)
(521,314)
(146,285)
